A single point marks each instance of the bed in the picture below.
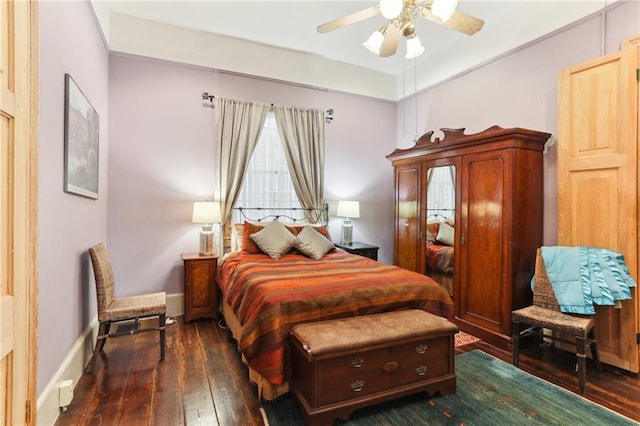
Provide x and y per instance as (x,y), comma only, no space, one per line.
(263,297)
(439,253)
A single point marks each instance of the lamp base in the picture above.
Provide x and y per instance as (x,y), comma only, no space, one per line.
(346,236)
(206,241)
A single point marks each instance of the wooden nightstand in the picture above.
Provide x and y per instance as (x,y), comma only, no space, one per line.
(200,289)
(361,249)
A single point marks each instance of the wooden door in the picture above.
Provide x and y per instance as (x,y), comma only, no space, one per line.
(407,221)
(598,181)
(18,204)
(484,283)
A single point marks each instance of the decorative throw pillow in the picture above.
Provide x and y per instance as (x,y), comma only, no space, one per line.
(446,234)
(248,245)
(432,230)
(296,229)
(313,243)
(237,236)
(274,239)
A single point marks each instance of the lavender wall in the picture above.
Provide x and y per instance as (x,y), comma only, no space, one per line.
(157,152)
(521,90)
(68,224)
(162,159)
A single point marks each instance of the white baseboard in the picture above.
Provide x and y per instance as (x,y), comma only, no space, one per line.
(175,304)
(71,369)
(73,365)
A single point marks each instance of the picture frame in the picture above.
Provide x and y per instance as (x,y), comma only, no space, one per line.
(81,142)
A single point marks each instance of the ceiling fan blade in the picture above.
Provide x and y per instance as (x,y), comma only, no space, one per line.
(349,19)
(391,39)
(460,21)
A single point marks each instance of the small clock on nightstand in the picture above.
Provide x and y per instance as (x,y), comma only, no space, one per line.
(361,249)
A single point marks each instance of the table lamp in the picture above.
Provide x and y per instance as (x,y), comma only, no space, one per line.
(206,213)
(348,210)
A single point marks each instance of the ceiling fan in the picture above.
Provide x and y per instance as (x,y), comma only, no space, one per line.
(400,13)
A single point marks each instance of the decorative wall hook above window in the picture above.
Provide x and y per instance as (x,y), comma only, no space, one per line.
(329,116)
(207,96)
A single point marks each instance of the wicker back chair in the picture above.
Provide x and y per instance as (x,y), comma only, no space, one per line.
(113,309)
(545,314)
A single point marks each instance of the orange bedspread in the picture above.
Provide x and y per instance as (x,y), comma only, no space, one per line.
(270,296)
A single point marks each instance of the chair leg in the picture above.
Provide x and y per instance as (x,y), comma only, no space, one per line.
(538,337)
(161,320)
(103,331)
(593,346)
(581,355)
(515,334)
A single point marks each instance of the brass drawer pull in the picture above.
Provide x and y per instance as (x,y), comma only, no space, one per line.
(421,370)
(391,366)
(357,362)
(357,386)
(421,349)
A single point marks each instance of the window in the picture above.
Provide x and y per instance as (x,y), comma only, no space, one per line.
(267,182)
(441,198)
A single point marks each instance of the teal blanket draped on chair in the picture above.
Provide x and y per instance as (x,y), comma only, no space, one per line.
(584,276)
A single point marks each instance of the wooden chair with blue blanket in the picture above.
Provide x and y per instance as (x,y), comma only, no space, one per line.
(545,314)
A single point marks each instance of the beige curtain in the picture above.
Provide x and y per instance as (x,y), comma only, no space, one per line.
(238,128)
(302,135)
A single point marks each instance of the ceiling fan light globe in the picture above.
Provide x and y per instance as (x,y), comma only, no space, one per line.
(444,9)
(414,48)
(374,42)
(391,9)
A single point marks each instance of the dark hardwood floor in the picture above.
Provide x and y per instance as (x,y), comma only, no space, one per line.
(202,381)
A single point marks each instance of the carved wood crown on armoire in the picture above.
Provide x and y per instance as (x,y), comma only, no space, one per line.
(497,176)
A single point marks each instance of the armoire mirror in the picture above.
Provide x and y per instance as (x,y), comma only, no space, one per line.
(441,209)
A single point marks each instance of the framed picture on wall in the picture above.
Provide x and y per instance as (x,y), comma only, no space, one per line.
(81,138)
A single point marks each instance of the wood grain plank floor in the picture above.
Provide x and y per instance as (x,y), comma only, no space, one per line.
(202,381)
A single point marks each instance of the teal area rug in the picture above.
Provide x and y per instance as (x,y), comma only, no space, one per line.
(489,392)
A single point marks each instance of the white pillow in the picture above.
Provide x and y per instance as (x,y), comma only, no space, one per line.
(275,239)
(446,234)
(312,243)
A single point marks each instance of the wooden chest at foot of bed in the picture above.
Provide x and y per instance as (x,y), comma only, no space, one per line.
(344,364)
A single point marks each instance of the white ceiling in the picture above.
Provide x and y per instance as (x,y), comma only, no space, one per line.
(292,25)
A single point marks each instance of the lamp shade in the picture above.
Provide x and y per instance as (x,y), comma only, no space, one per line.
(407,209)
(349,209)
(374,42)
(391,9)
(414,47)
(206,212)
(444,9)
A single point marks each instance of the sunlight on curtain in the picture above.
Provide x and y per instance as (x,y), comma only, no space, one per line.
(441,201)
(267,182)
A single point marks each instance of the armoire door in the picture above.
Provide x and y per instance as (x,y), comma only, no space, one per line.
(18,210)
(407,246)
(483,298)
(598,181)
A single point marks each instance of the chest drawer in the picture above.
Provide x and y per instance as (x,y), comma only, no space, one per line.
(368,372)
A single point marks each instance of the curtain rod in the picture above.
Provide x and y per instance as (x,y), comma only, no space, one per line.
(207,97)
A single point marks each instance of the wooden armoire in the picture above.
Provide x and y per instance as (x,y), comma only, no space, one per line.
(497,220)
(598,186)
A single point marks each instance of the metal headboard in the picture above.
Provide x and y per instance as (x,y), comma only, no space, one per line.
(440,213)
(319,215)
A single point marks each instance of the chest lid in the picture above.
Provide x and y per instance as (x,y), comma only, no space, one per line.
(350,333)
